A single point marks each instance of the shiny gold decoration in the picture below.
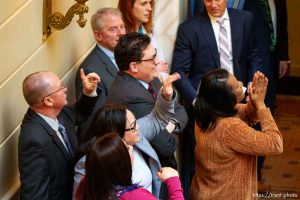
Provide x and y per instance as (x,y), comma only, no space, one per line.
(59,21)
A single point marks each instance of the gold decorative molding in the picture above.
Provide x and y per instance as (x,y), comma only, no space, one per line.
(60,21)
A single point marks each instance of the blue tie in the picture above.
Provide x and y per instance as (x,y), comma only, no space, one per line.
(64,135)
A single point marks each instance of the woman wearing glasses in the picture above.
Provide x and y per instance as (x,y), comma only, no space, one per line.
(138,133)
(138,17)
(108,173)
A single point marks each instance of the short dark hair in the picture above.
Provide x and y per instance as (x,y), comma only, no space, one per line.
(130,49)
(107,165)
(215,99)
(111,118)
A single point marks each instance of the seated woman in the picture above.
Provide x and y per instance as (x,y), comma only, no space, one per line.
(226,146)
(108,173)
(138,133)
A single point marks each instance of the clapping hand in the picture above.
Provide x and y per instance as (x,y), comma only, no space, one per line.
(89,81)
(257,90)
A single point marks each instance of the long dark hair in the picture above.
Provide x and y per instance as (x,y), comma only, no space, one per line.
(111,118)
(107,165)
(215,99)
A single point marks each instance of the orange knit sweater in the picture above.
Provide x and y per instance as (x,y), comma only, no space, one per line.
(226,156)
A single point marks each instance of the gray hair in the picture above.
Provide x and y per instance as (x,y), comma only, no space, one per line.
(97,18)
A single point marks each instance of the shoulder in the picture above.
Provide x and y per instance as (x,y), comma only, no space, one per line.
(239,14)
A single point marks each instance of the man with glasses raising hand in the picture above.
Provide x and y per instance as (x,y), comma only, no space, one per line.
(47,141)
(136,85)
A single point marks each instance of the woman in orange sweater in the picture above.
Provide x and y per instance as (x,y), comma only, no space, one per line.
(226,145)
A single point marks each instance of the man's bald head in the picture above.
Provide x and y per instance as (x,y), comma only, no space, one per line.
(36,86)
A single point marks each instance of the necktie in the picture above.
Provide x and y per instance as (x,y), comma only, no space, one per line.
(270,23)
(64,135)
(224,46)
(150,89)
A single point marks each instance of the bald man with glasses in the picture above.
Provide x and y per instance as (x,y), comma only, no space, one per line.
(47,142)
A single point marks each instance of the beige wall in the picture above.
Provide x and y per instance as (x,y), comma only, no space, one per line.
(22,51)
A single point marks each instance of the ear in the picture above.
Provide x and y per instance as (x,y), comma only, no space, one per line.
(133,66)
(98,36)
(48,101)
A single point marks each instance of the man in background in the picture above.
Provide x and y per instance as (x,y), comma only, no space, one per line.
(270,18)
(108,26)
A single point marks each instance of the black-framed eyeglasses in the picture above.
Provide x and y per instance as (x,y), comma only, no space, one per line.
(62,86)
(133,128)
(150,59)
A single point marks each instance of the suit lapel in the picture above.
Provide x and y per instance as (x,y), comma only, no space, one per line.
(235,27)
(108,64)
(136,85)
(208,33)
(38,119)
(144,146)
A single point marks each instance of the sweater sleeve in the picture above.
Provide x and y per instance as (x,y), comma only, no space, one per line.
(243,139)
(174,188)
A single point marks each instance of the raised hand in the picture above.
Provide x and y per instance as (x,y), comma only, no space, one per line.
(89,81)
(257,90)
(167,89)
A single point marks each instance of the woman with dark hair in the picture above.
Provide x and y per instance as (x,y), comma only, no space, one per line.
(138,17)
(226,145)
(108,173)
(138,133)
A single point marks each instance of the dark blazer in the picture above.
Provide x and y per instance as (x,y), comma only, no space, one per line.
(196,52)
(270,59)
(97,61)
(46,168)
(129,91)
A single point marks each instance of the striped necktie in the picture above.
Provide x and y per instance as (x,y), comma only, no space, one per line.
(62,130)
(224,46)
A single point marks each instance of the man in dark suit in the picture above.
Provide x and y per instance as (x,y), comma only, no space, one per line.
(47,141)
(270,18)
(136,86)
(197,50)
(108,26)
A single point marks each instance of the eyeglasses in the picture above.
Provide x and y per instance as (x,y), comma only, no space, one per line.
(132,128)
(150,59)
(62,86)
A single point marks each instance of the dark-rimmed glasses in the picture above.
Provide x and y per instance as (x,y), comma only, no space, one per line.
(62,86)
(132,128)
(150,59)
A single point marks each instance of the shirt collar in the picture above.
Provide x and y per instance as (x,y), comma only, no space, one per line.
(53,123)
(145,85)
(108,52)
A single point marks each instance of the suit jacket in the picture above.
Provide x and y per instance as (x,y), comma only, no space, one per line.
(46,168)
(97,61)
(270,59)
(129,91)
(196,52)
(150,126)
